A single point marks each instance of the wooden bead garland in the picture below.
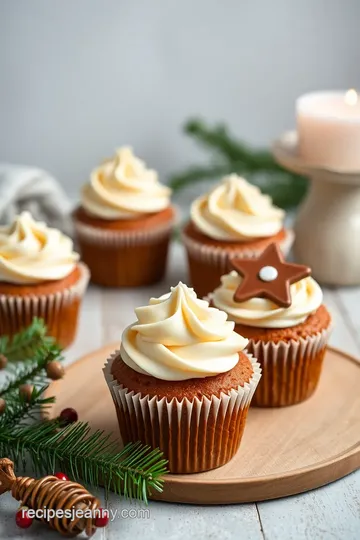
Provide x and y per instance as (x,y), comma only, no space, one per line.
(54,494)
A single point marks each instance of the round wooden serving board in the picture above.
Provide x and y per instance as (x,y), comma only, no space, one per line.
(284,451)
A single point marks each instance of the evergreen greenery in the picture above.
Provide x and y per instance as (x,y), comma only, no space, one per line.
(91,457)
(27,343)
(228,155)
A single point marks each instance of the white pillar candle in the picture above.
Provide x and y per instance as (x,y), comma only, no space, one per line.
(328,125)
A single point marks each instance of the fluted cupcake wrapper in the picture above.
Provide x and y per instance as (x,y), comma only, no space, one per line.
(118,238)
(290,370)
(59,310)
(219,255)
(125,258)
(208,263)
(195,435)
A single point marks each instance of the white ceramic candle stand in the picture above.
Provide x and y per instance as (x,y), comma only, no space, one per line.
(327,227)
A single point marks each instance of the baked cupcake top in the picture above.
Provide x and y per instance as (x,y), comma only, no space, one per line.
(268,292)
(236,211)
(124,188)
(179,337)
(31,252)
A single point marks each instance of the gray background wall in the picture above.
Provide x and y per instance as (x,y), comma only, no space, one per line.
(80,77)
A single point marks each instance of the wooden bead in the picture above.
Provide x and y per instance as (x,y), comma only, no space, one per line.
(3,361)
(26,390)
(2,405)
(55,370)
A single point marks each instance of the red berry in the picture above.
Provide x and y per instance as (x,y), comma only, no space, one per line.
(102,518)
(61,476)
(22,519)
(68,416)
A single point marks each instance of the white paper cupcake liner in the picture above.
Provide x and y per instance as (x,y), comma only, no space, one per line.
(219,256)
(195,435)
(17,312)
(290,370)
(95,235)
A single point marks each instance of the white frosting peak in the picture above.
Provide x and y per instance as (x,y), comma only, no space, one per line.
(179,337)
(306,298)
(236,211)
(31,252)
(123,188)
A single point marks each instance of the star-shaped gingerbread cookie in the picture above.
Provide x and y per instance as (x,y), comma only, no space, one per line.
(268,276)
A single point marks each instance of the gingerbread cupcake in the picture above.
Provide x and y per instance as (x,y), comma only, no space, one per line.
(40,276)
(182,382)
(233,220)
(124,223)
(278,307)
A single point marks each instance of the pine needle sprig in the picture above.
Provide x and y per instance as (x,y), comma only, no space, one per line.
(91,457)
(229,155)
(218,139)
(29,351)
(20,410)
(26,343)
(31,370)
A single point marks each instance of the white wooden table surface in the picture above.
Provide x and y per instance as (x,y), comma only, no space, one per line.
(328,513)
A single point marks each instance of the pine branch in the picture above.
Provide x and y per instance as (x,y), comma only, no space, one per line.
(25,343)
(232,156)
(32,371)
(285,191)
(91,457)
(20,410)
(217,138)
(228,148)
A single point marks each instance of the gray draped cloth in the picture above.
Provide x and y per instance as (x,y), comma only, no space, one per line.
(35,190)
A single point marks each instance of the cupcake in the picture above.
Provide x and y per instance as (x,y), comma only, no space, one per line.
(279,307)
(40,276)
(233,220)
(182,382)
(124,223)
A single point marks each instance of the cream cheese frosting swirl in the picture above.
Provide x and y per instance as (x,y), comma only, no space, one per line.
(236,211)
(31,252)
(123,188)
(306,298)
(179,337)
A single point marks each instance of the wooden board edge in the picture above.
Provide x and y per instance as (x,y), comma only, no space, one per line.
(264,488)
